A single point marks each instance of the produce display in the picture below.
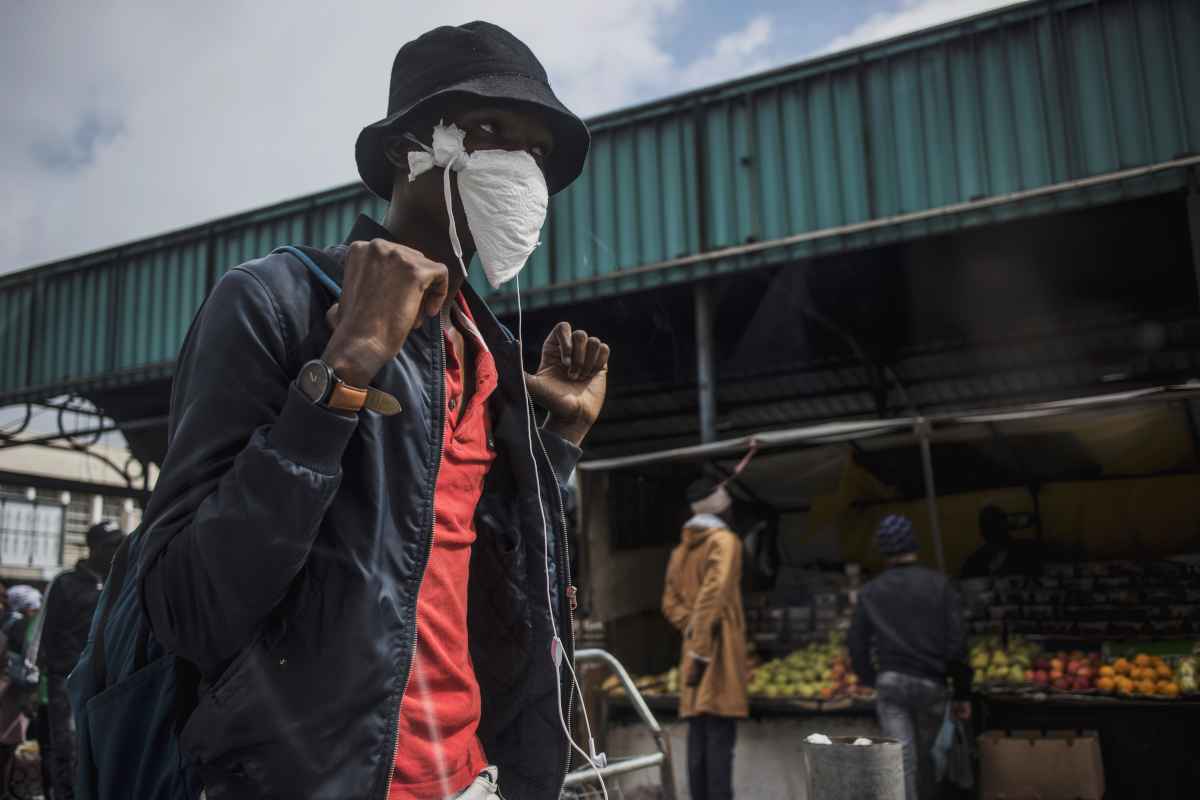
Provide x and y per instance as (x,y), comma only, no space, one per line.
(1022,666)
(1100,600)
(818,671)
(666,683)
(815,672)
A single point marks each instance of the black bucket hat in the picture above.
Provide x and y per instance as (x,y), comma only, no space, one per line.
(479,59)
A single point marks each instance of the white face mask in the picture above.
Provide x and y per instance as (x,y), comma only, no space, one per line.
(503,192)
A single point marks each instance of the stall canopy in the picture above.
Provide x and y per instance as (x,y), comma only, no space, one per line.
(1042,450)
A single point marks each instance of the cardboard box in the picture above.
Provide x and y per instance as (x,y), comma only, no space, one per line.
(1037,765)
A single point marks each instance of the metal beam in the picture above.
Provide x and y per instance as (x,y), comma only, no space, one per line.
(1193,212)
(706,378)
(935,523)
(67,485)
(133,425)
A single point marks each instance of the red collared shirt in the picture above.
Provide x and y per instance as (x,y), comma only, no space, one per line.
(439,752)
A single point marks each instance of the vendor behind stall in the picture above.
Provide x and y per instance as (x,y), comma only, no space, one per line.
(1000,553)
(913,617)
(702,598)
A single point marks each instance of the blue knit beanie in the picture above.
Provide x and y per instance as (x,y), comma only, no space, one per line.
(895,535)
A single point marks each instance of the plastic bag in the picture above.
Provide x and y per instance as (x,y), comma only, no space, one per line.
(952,753)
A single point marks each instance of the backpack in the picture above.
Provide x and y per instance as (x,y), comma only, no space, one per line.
(125,694)
(130,696)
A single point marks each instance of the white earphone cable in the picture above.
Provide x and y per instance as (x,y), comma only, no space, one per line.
(595,760)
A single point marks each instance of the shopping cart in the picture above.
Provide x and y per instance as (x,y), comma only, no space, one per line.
(581,783)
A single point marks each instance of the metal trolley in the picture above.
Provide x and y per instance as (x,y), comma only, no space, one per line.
(581,783)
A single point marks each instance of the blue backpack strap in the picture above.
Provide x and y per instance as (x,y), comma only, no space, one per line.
(312,266)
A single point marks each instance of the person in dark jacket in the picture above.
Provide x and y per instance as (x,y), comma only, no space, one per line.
(1000,553)
(70,602)
(912,617)
(357,536)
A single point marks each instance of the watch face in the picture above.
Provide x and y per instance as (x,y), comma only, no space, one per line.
(314,381)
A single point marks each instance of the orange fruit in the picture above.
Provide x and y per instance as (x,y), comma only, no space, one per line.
(1146,687)
(1107,671)
(1171,689)
(1163,671)
(1142,660)
(1121,667)
(1106,684)
(1161,687)
(1125,686)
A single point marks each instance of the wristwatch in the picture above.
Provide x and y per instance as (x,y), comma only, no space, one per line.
(320,384)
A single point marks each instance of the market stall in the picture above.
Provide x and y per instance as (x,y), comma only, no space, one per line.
(1107,488)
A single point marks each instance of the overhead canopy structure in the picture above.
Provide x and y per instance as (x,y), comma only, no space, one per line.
(1073,417)
(1149,432)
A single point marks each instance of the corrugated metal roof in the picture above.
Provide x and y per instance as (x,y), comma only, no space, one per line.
(848,151)
(947,380)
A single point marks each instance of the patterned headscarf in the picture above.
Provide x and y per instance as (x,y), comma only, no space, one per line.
(24,598)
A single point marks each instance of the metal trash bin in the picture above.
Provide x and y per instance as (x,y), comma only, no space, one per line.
(846,771)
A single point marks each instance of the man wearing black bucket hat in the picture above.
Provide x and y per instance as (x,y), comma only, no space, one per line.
(356,545)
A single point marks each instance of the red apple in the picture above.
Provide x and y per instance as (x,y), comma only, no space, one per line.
(1084,672)
(1082,685)
(1057,664)
(1073,666)
(1042,663)
(1055,674)
(1041,677)
(1062,683)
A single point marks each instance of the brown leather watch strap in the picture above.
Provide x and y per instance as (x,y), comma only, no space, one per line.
(381,402)
(346,398)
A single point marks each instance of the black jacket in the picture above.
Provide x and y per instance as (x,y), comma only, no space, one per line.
(913,616)
(286,546)
(70,602)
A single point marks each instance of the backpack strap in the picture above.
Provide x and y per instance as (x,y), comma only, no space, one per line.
(313,267)
(116,580)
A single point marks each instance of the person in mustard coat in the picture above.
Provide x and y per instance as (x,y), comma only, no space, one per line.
(703,599)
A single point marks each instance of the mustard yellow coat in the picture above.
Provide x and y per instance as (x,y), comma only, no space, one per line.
(703,599)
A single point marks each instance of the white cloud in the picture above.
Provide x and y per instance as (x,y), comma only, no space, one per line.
(912,15)
(125,119)
(735,54)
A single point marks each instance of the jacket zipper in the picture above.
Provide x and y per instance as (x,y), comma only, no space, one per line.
(437,466)
(565,566)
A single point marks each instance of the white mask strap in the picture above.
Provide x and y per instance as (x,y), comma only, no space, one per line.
(419,163)
(454,243)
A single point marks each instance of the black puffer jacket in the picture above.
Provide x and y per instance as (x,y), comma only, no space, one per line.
(286,546)
(70,602)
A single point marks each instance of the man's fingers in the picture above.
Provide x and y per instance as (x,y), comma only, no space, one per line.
(435,292)
(579,343)
(597,357)
(561,336)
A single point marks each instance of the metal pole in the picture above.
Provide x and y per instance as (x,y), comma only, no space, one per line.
(1193,210)
(706,384)
(935,523)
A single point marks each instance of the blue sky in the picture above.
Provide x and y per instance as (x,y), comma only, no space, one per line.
(125,119)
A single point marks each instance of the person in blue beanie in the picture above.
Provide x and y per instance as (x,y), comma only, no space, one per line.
(911,617)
